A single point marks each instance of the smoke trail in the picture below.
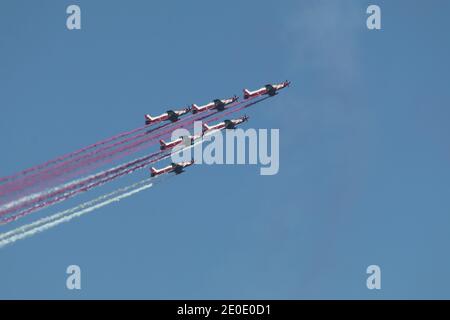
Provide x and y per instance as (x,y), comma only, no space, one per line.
(78,207)
(52,170)
(129,169)
(66,196)
(69,195)
(67,215)
(28,200)
(77,152)
(69,155)
(77,163)
(116,153)
(18,204)
(11,187)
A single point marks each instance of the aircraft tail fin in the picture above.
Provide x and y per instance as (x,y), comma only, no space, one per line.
(195,108)
(247,94)
(153,172)
(205,127)
(148,119)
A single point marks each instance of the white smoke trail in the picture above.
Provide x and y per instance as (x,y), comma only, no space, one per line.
(78,207)
(46,223)
(67,215)
(37,195)
(117,169)
(105,174)
(100,183)
(59,187)
(69,194)
(91,177)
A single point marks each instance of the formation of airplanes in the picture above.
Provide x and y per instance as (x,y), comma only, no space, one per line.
(178,167)
(216,104)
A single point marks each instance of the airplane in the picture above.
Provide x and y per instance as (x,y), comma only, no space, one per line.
(226,124)
(218,104)
(168,115)
(173,143)
(173,167)
(270,89)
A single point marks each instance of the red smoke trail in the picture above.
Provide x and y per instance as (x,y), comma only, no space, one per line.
(76,192)
(13,186)
(31,180)
(82,150)
(79,183)
(69,155)
(240,108)
(128,167)
(72,167)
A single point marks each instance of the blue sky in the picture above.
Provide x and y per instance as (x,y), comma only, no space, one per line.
(364,150)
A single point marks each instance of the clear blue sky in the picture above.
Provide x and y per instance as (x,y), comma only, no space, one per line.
(364,174)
